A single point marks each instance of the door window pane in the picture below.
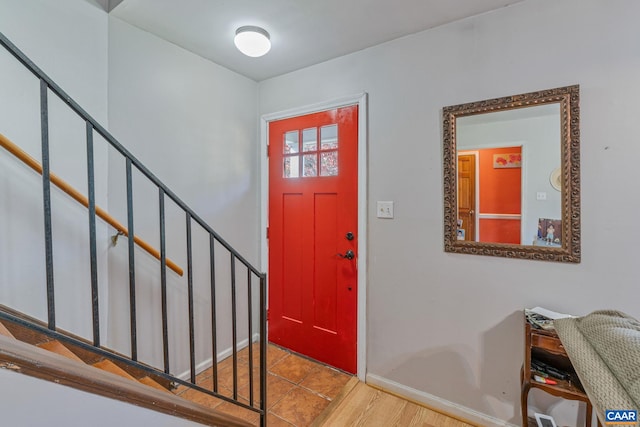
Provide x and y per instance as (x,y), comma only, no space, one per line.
(329,137)
(291,140)
(329,163)
(290,169)
(310,139)
(310,165)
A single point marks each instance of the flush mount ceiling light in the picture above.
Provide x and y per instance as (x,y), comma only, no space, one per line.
(252,41)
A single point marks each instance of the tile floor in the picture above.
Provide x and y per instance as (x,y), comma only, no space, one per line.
(298,389)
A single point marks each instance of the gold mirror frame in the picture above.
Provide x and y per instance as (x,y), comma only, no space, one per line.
(568,97)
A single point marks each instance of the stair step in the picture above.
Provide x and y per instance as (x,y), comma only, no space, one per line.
(151,383)
(4,331)
(59,348)
(109,366)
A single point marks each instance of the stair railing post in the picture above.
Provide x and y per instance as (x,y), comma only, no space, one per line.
(92,236)
(214,331)
(250,332)
(46,196)
(234,327)
(192,345)
(263,350)
(163,280)
(132,264)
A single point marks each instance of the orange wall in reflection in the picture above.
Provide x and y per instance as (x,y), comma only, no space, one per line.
(500,193)
(500,230)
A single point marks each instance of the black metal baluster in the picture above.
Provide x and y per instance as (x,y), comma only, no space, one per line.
(214,334)
(46,196)
(92,236)
(192,346)
(234,334)
(263,350)
(163,280)
(132,265)
(249,310)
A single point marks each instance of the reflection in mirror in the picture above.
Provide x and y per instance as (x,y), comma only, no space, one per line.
(505,162)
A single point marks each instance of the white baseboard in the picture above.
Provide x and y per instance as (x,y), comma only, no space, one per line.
(436,403)
(207,363)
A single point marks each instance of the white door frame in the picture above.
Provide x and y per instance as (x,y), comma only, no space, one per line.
(361,101)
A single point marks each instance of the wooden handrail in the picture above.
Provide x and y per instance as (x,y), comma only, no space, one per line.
(82,199)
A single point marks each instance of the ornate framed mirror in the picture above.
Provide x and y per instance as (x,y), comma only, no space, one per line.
(512,176)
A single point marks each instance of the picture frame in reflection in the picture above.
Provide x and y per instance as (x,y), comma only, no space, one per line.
(549,232)
(509,160)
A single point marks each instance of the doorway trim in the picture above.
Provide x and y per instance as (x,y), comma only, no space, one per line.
(360,100)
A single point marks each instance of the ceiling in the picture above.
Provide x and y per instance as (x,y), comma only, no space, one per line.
(303,32)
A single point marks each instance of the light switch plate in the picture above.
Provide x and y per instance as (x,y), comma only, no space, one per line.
(385,209)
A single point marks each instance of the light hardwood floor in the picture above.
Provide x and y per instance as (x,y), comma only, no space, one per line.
(362,405)
(304,393)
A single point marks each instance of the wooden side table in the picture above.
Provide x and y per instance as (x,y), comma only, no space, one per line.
(545,346)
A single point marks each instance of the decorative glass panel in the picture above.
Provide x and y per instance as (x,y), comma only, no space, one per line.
(291,169)
(310,139)
(329,137)
(310,165)
(329,163)
(291,140)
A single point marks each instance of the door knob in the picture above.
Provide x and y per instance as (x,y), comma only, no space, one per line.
(348,255)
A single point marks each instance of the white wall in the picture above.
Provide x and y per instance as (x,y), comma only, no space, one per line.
(68,40)
(58,405)
(193,123)
(451,324)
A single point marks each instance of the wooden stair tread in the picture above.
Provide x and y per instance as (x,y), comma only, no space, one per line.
(4,331)
(151,383)
(22,333)
(109,366)
(59,348)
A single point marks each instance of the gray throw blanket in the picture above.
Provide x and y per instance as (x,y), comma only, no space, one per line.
(604,348)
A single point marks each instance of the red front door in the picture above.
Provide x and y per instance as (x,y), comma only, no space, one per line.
(313,224)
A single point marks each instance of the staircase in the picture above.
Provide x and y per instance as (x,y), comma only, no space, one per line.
(35,354)
(41,348)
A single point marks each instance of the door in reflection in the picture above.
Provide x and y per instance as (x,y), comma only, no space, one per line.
(467,197)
